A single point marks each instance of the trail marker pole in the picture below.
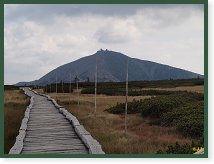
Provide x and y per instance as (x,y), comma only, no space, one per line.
(62,87)
(56,86)
(50,87)
(70,88)
(70,84)
(95,90)
(78,92)
(126,105)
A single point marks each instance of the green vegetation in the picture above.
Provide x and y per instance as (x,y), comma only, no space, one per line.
(10,87)
(184,110)
(155,106)
(133,107)
(61,88)
(182,149)
(177,149)
(118,88)
(188,119)
(108,129)
(121,91)
(135,87)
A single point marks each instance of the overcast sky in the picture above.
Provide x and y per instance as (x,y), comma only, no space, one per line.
(39,38)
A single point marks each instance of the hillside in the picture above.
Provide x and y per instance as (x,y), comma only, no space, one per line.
(111,67)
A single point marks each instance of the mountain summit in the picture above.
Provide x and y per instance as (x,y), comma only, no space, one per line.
(112,67)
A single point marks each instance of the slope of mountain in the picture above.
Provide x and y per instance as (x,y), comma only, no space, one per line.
(112,67)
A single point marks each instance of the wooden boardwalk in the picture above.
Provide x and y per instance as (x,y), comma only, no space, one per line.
(48,131)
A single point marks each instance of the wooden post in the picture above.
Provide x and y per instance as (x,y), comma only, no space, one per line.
(50,87)
(126,105)
(56,86)
(62,87)
(95,89)
(70,84)
(78,92)
(70,88)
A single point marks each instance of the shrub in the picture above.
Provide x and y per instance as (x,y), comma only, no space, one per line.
(189,120)
(65,88)
(157,106)
(11,87)
(118,109)
(190,126)
(115,91)
(183,110)
(133,107)
(179,149)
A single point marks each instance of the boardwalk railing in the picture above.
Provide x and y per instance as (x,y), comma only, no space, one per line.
(18,146)
(93,145)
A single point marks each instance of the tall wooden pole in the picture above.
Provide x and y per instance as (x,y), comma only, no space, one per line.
(70,88)
(95,89)
(126,105)
(50,87)
(70,84)
(62,87)
(78,92)
(56,85)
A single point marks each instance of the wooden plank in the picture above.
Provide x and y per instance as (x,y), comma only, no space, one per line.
(49,123)
(68,151)
(57,152)
(50,128)
(56,122)
(51,133)
(48,141)
(31,127)
(45,135)
(48,131)
(70,143)
(44,139)
(74,139)
(56,147)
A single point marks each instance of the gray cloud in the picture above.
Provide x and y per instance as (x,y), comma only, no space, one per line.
(120,31)
(40,12)
(45,12)
(48,36)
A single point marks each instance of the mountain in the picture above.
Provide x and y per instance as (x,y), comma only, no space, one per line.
(112,67)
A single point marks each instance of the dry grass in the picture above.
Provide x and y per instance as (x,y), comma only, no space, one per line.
(39,90)
(199,88)
(15,103)
(108,128)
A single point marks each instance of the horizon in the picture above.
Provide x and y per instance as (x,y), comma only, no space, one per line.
(110,81)
(98,69)
(165,34)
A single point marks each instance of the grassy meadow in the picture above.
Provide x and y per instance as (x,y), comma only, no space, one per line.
(108,128)
(15,103)
(154,124)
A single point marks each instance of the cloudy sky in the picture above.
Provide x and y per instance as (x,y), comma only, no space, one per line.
(39,38)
